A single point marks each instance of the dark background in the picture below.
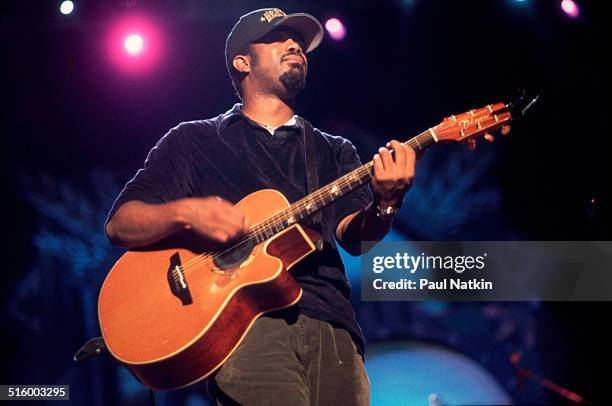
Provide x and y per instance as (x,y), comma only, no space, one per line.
(76,127)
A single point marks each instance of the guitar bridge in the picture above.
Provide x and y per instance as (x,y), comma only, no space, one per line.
(177,282)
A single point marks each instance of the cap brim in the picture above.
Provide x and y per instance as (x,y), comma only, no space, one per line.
(307,26)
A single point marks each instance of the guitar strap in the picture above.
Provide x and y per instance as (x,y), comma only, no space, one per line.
(312,179)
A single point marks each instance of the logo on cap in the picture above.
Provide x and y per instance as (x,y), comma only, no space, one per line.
(271,14)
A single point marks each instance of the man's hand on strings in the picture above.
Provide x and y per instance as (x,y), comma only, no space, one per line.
(214,218)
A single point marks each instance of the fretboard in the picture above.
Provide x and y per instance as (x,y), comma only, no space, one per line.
(317,200)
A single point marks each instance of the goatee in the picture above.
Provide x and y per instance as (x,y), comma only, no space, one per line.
(294,79)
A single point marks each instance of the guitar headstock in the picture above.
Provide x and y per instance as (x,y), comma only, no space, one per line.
(466,127)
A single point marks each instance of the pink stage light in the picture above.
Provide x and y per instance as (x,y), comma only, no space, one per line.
(336,29)
(570,8)
(135,44)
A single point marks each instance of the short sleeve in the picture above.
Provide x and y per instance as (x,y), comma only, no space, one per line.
(165,176)
(358,199)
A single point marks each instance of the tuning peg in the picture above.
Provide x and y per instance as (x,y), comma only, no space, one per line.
(489,137)
(505,130)
(471,144)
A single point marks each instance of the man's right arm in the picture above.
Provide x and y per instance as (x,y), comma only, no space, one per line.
(137,224)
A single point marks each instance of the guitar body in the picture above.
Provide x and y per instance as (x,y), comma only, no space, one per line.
(173,330)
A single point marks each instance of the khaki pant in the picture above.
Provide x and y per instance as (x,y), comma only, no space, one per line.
(292,361)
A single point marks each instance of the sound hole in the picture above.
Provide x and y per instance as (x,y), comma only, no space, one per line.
(234,257)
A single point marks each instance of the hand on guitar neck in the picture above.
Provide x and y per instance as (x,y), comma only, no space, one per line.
(392,174)
(393,171)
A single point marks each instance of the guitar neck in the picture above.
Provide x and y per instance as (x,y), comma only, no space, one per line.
(329,193)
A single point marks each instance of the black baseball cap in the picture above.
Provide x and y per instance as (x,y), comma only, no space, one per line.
(254,25)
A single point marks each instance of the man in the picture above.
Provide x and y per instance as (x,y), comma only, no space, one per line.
(310,353)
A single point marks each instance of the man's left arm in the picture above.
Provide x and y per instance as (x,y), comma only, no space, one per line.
(392,178)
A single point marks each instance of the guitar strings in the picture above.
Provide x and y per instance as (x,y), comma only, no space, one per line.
(267,225)
(261,229)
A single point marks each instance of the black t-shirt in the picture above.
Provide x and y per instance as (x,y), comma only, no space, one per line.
(231,156)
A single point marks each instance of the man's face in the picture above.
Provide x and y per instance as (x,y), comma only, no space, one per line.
(280,63)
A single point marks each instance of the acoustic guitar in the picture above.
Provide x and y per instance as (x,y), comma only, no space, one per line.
(173,315)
